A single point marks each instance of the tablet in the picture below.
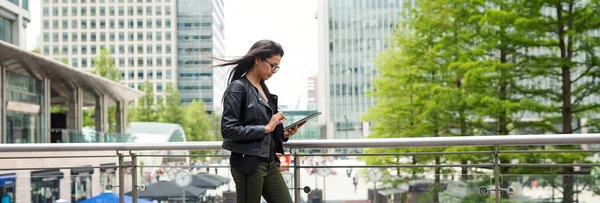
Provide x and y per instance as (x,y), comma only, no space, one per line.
(311,116)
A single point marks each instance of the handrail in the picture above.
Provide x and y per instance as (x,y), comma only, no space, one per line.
(508,140)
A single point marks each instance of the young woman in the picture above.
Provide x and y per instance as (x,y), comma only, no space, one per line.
(252,128)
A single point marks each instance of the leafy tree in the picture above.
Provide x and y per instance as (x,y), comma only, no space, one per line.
(171,109)
(145,109)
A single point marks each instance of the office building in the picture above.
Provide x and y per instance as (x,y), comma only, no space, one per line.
(200,26)
(141,35)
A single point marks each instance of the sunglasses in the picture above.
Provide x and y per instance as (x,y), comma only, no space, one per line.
(273,66)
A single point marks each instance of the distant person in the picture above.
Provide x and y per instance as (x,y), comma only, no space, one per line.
(355,182)
(251,126)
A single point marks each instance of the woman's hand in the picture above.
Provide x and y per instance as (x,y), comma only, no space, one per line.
(291,131)
(276,119)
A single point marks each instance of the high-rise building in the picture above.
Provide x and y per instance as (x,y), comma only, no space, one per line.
(351,35)
(14,17)
(141,35)
(200,27)
(311,87)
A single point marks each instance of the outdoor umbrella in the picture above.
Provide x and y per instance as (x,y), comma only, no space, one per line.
(165,190)
(110,197)
(204,180)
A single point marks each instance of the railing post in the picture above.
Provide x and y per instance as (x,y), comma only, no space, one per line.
(121,179)
(296,177)
(134,177)
(497,174)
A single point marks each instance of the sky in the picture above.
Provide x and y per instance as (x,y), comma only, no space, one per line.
(292,23)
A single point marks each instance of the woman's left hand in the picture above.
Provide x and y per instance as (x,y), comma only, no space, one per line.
(291,131)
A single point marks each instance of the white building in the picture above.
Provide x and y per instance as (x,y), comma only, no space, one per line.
(141,35)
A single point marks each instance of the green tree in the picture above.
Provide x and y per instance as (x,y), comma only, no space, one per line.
(105,67)
(197,124)
(171,109)
(145,109)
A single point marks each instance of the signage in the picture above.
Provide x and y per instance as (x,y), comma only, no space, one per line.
(23,107)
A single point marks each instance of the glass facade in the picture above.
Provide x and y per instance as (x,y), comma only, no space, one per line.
(24,118)
(358,31)
(199,30)
(6,31)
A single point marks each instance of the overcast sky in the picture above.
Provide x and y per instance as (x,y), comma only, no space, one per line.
(289,22)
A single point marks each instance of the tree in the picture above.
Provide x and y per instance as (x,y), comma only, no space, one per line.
(105,67)
(171,109)
(145,110)
(196,124)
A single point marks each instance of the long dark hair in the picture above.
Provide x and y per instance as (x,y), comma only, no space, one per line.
(262,49)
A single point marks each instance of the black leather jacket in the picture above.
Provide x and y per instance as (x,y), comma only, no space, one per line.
(245,115)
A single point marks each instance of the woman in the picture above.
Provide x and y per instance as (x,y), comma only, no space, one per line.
(252,128)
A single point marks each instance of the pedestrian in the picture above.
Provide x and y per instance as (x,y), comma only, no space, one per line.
(251,126)
(355,182)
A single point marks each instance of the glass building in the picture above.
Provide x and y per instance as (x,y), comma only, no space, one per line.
(351,35)
(200,35)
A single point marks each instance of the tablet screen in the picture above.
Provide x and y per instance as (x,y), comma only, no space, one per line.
(311,116)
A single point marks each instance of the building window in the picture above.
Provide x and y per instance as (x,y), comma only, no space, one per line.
(74,50)
(168,37)
(103,37)
(65,37)
(158,10)
(149,49)
(83,37)
(140,23)
(168,23)
(74,62)
(130,10)
(159,49)
(140,49)
(93,36)
(121,11)
(74,37)
(149,63)
(140,63)
(159,87)
(112,24)
(111,11)
(102,11)
(169,75)
(93,11)
(158,36)
(168,62)
(83,11)
(93,49)
(65,11)
(130,62)
(168,49)
(45,185)
(55,37)
(140,73)
(46,50)
(158,23)
(131,38)
(130,49)
(158,72)
(121,24)
(121,49)
(149,10)
(93,24)
(46,37)
(46,24)
(55,11)
(140,10)
(102,24)
(149,36)
(167,10)
(73,11)
(83,51)
(84,62)
(140,36)
(112,37)
(65,50)
(74,24)
(121,36)
(149,23)
(122,63)
(130,23)
(65,24)
(46,12)
(55,24)
(83,24)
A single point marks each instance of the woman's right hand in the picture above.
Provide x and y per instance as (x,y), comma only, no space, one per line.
(275,120)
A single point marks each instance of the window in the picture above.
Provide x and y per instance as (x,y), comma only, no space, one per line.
(111,11)
(121,23)
(93,11)
(93,36)
(74,62)
(74,36)
(169,75)
(140,36)
(102,24)
(158,36)
(168,62)
(83,24)
(158,10)
(46,37)
(168,49)
(65,37)
(112,37)
(158,72)
(46,12)
(93,24)
(65,50)
(130,10)
(46,24)
(159,86)
(65,11)
(149,49)
(103,37)
(149,63)
(168,38)
(140,49)
(140,64)
(167,10)
(140,10)
(55,50)
(55,24)
(65,24)
(83,13)
(112,24)
(55,37)
(159,49)
(140,23)
(130,37)
(168,23)
(130,62)
(83,37)
(46,50)
(149,23)
(122,63)
(83,49)
(74,24)
(130,23)
(121,49)
(158,23)
(121,36)
(83,62)
(55,11)
(121,11)
(130,48)
(102,11)
(149,10)
(93,49)
(159,63)
(74,49)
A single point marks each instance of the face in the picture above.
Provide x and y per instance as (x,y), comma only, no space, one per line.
(267,67)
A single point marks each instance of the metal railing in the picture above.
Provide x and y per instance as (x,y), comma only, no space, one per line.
(133,150)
